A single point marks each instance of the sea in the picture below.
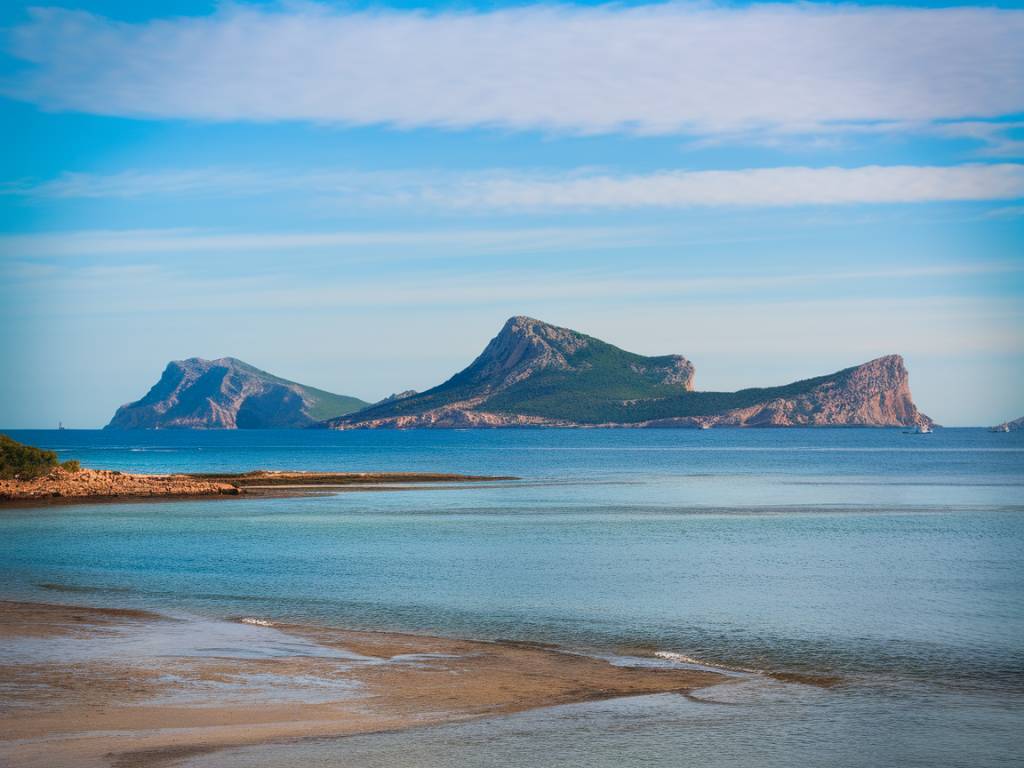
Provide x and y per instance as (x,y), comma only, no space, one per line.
(866,585)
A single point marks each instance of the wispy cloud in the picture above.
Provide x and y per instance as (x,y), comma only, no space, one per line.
(220,181)
(1007,213)
(997,138)
(580,189)
(154,288)
(672,68)
(186,241)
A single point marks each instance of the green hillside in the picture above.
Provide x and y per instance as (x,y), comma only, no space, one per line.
(594,397)
(322,405)
(601,374)
(327,405)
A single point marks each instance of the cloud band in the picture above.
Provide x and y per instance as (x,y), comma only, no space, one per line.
(650,69)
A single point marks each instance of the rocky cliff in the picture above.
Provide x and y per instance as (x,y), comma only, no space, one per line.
(536,374)
(876,393)
(228,394)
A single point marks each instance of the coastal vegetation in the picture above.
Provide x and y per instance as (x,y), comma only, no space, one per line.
(603,387)
(26,462)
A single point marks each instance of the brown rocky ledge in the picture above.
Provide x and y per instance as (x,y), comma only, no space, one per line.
(99,483)
(92,484)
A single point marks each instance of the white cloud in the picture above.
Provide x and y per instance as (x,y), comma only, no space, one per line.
(758,187)
(652,69)
(499,189)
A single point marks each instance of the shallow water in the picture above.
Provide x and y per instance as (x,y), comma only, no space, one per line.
(892,561)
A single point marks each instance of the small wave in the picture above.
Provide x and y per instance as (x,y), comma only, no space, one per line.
(256,622)
(682,658)
(799,678)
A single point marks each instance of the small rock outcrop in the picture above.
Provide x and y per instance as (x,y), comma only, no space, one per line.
(229,394)
(1010,426)
(397,396)
(100,484)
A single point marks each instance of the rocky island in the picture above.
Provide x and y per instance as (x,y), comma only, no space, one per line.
(536,374)
(229,394)
(531,374)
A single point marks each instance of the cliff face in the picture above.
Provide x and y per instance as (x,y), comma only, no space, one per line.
(874,394)
(535,374)
(228,394)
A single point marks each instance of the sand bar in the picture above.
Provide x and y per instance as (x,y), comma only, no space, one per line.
(91,485)
(100,687)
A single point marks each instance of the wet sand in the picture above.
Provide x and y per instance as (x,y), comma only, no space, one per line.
(100,687)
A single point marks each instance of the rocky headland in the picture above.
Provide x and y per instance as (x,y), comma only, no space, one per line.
(229,394)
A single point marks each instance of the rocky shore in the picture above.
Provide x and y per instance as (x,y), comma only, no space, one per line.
(99,483)
(91,484)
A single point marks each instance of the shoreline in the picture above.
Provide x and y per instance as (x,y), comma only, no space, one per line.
(123,687)
(87,486)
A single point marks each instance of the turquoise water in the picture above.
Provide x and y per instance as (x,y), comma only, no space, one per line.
(893,561)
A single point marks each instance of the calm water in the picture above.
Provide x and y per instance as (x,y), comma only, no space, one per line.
(893,561)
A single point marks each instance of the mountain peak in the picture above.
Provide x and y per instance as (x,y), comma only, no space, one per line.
(522,347)
(530,355)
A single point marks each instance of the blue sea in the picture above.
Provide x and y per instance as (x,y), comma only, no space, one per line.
(892,561)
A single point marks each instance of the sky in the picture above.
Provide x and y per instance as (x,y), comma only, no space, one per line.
(357,195)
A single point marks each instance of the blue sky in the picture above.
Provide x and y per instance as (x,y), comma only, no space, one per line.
(356,196)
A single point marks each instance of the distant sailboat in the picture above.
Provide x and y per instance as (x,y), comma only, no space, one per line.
(60,426)
(919,429)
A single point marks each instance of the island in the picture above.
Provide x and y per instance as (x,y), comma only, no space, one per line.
(532,374)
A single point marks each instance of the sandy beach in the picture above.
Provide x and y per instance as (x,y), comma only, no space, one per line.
(104,687)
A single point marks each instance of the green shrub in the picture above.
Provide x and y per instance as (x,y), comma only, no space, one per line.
(24,462)
(72,465)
